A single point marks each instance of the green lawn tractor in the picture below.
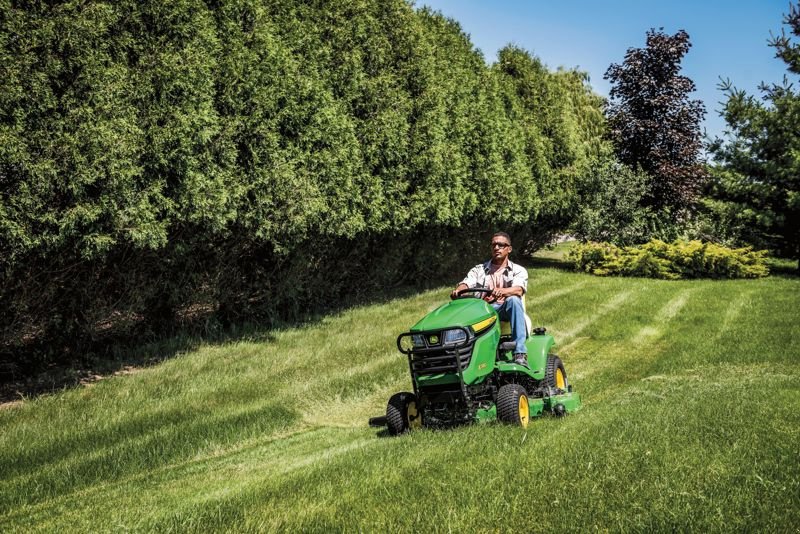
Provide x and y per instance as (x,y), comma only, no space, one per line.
(462,369)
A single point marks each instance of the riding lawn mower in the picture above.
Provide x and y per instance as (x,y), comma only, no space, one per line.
(460,357)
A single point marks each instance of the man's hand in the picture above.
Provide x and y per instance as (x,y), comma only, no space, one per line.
(503,292)
(499,292)
(459,287)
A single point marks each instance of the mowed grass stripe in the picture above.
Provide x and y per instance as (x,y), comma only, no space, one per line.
(542,299)
(617,362)
(734,314)
(661,319)
(595,315)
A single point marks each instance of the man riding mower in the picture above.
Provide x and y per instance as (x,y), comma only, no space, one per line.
(467,364)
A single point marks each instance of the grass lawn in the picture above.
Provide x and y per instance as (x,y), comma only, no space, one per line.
(691,421)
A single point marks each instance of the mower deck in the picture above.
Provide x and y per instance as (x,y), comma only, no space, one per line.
(571,401)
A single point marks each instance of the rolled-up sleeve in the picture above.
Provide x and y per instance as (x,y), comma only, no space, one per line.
(473,276)
(520,278)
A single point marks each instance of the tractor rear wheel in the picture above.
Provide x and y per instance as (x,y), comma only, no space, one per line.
(512,405)
(402,413)
(555,376)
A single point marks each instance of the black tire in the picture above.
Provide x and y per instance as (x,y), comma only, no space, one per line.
(555,375)
(512,405)
(398,418)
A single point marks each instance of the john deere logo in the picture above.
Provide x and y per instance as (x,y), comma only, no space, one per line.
(434,340)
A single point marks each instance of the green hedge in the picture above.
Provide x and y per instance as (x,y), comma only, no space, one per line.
(680,259)
(168,161)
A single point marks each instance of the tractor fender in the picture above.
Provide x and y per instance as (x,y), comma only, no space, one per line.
(538,348)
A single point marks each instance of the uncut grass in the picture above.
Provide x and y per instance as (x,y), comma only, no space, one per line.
(691,395)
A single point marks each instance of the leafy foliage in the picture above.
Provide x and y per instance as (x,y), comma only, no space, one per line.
(757,181)
(610,207)
(728,216)
(671,261)
(654,124)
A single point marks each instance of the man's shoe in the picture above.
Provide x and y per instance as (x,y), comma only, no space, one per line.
(521,359)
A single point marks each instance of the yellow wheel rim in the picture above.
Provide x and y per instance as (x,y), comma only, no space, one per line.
(414,420)
(524,411)
(561,381)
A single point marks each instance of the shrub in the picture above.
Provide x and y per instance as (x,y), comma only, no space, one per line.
(671,261)
(610,207)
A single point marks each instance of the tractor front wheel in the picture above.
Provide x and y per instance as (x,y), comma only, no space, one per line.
(512,405)
(402,413)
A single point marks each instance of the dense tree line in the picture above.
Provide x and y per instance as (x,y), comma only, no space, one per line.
(168,162)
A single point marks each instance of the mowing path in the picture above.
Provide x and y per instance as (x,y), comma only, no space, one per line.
(691,420)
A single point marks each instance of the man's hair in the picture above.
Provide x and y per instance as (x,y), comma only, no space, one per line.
(503,234)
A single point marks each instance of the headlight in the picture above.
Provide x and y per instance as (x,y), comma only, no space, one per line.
(417,341)
(454,336)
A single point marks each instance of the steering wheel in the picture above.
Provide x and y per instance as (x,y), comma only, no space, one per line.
(477,290)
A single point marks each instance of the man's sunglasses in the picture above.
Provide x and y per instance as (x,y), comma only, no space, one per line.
(500,245)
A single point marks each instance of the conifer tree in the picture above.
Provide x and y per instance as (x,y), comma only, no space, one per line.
(758,179)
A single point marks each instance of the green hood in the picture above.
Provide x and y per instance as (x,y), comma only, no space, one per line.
(460,312)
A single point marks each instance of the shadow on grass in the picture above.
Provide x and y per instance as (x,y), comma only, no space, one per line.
(785,268)
(550,263)
(123,355)
(552,257)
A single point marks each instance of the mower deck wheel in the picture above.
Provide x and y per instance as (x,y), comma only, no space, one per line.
(512,405)
(555,375)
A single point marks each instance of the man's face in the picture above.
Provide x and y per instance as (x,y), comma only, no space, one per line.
(500,249)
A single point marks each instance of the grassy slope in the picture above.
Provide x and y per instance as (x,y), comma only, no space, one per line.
(691,420)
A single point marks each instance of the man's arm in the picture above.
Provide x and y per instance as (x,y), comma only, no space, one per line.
(513,291)
(471,280)
(458,288)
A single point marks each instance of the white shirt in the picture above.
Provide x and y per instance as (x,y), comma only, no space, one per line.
(513,276)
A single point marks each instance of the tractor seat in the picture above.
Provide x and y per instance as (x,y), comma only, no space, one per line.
(505,326)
